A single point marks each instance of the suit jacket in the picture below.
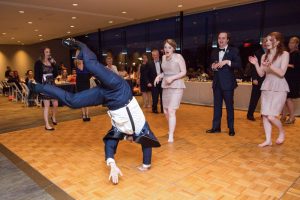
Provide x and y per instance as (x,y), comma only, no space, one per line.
(254,73)
(224,77)
(152,71)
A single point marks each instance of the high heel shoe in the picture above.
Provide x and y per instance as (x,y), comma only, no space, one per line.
(283,119)
(49,129)
(290,121)
(53,122)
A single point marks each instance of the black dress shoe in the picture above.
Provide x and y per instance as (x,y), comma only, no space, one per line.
(70,43)
(155,111)
(251,118)
(213,130)
(231,133)
(49,129)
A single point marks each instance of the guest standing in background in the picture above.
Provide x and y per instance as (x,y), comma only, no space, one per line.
(154,69)
(143,81)
(274,88)
(174,69)
(256,83)
(109,64)
(293,79)
(82,83)
(223,62)
(45,72)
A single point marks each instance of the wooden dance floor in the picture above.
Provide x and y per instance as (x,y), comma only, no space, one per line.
(196,166)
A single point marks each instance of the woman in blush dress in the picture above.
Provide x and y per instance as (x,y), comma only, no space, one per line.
(174,69)
(274,89)
(143,81)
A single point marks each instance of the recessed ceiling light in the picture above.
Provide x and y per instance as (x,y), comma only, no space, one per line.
(75,4)
(72,26)
(29,22)
(180,6)
(156,19)
(74,17)
(36,30)
(41,38)
(3,33)
(21,11)
(110,22)
(40,35)
(124,12)
(69,32)
(18,41)
(23,44)
(12,38)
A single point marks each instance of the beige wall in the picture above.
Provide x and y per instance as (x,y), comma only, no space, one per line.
(22,58)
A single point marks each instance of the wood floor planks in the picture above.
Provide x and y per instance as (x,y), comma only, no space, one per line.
(196,166)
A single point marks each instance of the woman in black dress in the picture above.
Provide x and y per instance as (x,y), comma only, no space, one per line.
(45,72)
(293,78)
(144,81)
(82,83)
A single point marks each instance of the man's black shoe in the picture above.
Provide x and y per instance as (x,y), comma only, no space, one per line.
(231,133)
(155,111)
(213,130)
(70,43)
(251,118)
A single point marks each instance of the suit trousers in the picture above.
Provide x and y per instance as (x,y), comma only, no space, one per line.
(219,96)
(255,95)
(156,94)
(111,148)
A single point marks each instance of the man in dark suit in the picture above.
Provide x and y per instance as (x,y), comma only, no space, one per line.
(256,83)
(223,62)
(154,69)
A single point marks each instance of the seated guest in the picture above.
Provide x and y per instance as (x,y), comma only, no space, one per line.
(63,77)
(29,76)
(72,77)
(123,73)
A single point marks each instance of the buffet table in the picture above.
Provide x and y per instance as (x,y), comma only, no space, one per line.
(200,93)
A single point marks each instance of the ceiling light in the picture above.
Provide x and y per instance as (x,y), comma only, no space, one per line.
(23,44)
(74,17)
(36,30)
(180,6)
(3,33)
(18,41)
(41,39)
(124,12)
(75,4)
(29,22)
(156,19)
(72,26)
(110,22)
(69,32)
(12,38)
(21,12)
(40,35)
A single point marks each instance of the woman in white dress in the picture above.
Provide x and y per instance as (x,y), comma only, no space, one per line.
(274,89)
(174,69)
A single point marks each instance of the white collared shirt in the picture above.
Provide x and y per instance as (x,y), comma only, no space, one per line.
(222,53)
(157,66)
(121,120)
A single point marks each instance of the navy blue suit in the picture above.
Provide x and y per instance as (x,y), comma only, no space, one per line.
(114,92)
(224,83)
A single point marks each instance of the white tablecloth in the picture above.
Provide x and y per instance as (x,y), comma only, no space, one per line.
(200,93)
